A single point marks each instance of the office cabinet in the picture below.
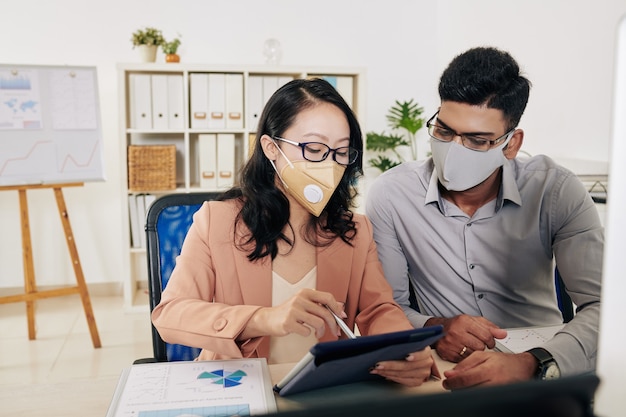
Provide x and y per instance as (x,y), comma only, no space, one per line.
(210,114)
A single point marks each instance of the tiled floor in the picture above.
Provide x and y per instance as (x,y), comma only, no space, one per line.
(60,373)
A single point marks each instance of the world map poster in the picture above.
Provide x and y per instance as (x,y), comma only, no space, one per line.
(20,102)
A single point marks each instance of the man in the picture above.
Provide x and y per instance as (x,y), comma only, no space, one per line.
(474,232)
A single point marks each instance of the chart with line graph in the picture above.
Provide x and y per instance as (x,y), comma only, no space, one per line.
(50,128)
(237,387)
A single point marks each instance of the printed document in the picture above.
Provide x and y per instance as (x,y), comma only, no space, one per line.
(237,387)
(522,339)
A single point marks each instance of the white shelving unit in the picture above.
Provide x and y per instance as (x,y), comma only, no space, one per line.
(188,115)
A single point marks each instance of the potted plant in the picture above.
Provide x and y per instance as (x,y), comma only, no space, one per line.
(147,40)
(404,119)
(170,49)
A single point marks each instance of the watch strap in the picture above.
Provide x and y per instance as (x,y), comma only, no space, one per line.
(543,358)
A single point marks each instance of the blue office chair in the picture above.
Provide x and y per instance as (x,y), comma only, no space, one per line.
(565,302)
(167,223)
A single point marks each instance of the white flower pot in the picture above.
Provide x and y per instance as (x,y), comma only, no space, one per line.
(147,53)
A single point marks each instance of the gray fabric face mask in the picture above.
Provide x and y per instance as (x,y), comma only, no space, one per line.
(459,168)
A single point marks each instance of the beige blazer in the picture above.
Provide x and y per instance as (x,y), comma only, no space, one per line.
(214,289)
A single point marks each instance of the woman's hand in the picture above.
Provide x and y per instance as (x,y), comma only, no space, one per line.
(304,312)
(416,369)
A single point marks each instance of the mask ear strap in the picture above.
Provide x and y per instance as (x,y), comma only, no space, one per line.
(278,173)
(276,169)
(282,153)
(507,140)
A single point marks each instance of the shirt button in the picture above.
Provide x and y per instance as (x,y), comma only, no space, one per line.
(469,224)
(480,296)
(471,266)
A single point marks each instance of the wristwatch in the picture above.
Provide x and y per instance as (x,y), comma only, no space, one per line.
(547,367)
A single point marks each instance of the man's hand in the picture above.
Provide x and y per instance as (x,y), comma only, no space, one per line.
(490,368)
(465,334)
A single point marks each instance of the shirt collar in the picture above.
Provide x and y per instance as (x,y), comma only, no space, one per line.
(508,191)
(432,193)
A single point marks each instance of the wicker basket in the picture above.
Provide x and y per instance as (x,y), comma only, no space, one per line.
(151,168)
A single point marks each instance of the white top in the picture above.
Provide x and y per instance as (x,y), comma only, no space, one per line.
(292,347)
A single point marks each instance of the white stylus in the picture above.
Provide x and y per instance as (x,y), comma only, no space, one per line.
(342,324)
(306,359)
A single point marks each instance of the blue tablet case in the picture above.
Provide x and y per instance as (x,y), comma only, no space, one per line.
(347,361)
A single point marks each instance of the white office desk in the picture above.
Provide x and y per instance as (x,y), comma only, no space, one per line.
(175,387)
(376,398)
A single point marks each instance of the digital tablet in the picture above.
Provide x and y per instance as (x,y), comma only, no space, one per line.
(345,361)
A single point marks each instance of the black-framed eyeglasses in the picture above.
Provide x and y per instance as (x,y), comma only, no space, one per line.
(318,152)
(475,143)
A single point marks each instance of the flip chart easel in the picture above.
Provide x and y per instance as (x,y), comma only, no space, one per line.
(31,293)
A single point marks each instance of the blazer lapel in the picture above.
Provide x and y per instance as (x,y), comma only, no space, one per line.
(333,261)
(255,279)
(334,264)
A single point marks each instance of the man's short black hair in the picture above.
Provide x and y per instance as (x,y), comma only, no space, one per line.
(487,76)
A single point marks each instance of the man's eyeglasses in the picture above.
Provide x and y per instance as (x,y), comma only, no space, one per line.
(317,152)
(475,143)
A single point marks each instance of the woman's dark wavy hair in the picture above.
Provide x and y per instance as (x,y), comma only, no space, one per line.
(487,76)
(265,209)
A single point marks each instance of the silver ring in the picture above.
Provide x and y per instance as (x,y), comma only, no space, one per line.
(463,351)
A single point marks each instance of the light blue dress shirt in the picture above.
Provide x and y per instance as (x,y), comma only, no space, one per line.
(499,263)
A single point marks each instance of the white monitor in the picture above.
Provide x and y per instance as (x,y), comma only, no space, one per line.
(612,344)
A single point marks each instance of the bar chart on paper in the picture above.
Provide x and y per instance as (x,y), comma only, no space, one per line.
(207,389)
(49,125)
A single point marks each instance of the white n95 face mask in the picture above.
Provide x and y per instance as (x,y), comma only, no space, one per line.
(312,184)
(459,168)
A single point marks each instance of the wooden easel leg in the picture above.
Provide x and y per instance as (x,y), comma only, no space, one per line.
(78,270)
(27,258)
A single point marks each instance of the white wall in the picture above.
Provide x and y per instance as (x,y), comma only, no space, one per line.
(567,50)
(98,33)
(566,47)
(403,44)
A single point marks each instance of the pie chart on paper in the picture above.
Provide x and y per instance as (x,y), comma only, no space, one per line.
(224,378)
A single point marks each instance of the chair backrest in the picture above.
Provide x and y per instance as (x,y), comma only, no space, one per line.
(167,223)
(565,302)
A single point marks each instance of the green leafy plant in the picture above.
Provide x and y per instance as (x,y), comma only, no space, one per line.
(404,119)
(170,47)
(147,36)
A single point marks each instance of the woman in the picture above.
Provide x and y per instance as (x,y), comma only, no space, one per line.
(258,269)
